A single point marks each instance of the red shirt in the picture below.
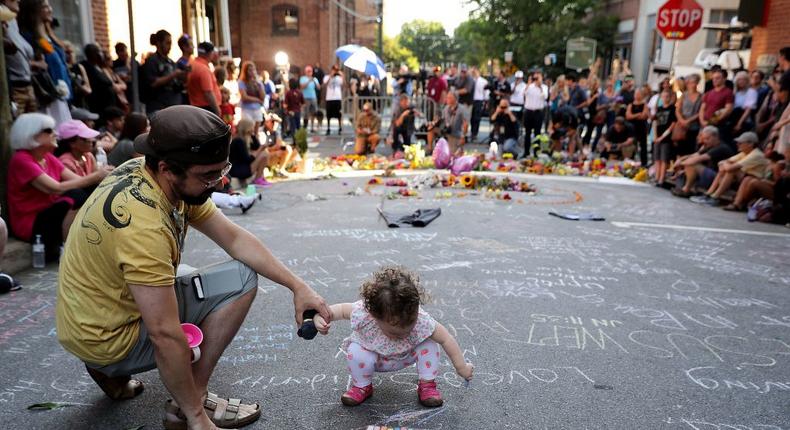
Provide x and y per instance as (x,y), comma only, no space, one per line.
(436,87)
(716,99)
(72,164)
(24,200)
(294,100)
(227,111)
(200,80)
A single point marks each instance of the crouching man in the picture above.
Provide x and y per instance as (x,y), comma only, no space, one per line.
(121,313)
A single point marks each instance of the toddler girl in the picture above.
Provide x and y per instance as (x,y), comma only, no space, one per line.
(390,331)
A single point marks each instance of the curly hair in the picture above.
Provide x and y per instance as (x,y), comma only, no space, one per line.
(393,295)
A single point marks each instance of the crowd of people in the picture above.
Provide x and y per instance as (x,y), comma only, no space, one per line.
(721,141)
(73,118)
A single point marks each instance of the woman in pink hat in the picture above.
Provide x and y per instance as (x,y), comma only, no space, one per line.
(43,195)
(75,146)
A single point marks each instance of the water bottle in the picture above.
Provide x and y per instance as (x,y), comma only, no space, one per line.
(101,157)
(38,253)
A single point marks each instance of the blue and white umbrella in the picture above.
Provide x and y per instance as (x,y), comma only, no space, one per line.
(361,59)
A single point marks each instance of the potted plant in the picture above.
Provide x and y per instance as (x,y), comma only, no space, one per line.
(300,142)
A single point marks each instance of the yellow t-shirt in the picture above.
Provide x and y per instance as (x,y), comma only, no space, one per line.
(126,233)
(753,164)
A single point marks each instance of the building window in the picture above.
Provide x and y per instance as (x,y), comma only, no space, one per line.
(69,19)
(719,17)
(285,20)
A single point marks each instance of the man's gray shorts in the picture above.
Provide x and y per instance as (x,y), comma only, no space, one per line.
(222,283)
(309,108)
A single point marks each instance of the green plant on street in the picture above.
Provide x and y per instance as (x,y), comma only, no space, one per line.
(300,140)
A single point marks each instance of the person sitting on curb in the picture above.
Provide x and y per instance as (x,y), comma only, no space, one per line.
(279,154)
(368,127)
(752,188)
(43,195)
(749,161)
(247,157)
(618,143)
(132,230)
(700,168)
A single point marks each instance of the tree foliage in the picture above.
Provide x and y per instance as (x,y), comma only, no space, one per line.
(397,54)
(532,29)
(427,40)
(473,42)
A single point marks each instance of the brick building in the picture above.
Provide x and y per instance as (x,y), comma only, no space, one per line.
(772,34)
(307,30)
(106,22)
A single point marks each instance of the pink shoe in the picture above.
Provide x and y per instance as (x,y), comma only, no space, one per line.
(262,182)
(429,394)
(355,395)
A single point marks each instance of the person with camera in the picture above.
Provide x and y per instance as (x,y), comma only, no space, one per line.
(368,126)
(505,127)
(619,142)
(450,125)
(402,123)
(403,84)
(333,83)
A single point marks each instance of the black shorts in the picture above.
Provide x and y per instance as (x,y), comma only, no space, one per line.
(333,108)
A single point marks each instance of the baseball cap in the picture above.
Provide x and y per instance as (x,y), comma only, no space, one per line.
(186,133)
(205,48)
(519,74)
(748,137)
(83,114)
(73,128)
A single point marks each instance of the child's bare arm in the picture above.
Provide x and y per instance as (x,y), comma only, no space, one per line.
(339,311)
(450,345)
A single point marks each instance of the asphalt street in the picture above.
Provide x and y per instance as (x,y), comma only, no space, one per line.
(668,315)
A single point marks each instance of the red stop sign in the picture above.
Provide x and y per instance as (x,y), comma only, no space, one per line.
(679,19)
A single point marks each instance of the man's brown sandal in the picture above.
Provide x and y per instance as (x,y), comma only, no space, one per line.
(225,413)
(116,388)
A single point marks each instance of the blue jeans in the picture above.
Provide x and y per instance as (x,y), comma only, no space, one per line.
(294,122)
(510,146)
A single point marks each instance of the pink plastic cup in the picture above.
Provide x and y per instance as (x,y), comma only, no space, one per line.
(194,338)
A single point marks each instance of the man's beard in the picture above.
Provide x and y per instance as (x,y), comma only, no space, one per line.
(193,200)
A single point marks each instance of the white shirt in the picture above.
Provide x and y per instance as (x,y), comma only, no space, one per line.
(746,99)
(480,89)
(534,98)
(517,97)
(334,87)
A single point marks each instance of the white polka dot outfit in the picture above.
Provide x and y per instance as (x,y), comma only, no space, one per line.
(369,350)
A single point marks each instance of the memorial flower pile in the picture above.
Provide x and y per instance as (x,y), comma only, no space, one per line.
(543,165)
(499,188)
